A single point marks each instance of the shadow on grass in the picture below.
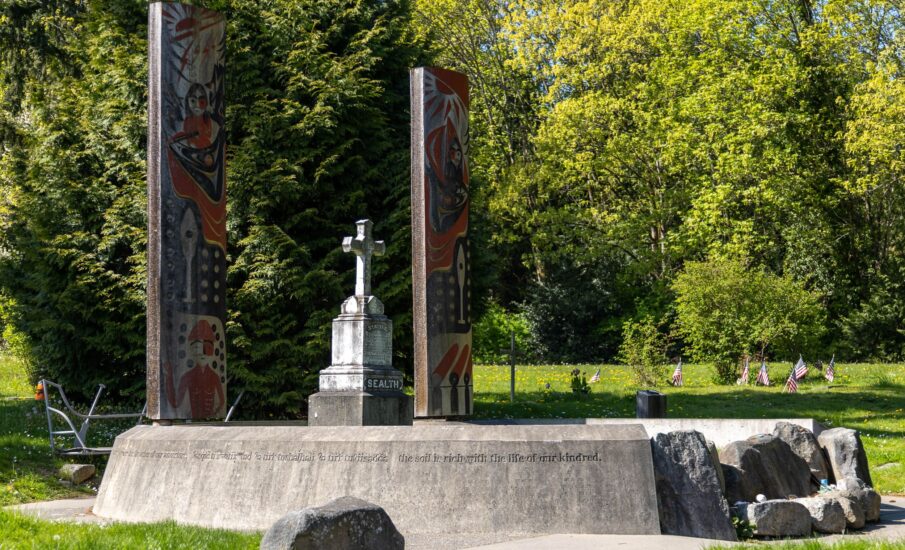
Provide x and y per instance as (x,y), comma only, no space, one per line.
(863,408)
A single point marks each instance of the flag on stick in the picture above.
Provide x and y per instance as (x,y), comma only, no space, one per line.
(792,382)
(831,369)
(596,377)
(762,377)
(801,370)
(745,373)
(677,374)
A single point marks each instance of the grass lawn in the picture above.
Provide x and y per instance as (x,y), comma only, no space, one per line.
(19,531)
(27,470)
(818,545)
(870,398)
(867,397)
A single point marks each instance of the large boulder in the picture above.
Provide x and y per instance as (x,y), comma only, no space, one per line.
(851,507)
(845,453)
(867,498)
(778,518)
(763,464)
(803,442)
(715,457)
(827,515)
(689,497)
(343,523)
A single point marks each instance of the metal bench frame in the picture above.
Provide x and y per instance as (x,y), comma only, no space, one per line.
(80,435)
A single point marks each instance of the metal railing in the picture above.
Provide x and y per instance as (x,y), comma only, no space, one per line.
(79,435)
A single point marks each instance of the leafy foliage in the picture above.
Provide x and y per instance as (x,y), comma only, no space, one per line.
(644,350)
(725,309)
(493,334)
(317,96)
(617,148)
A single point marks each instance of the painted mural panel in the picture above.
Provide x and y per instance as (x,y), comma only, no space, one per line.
(441,276)
(186,213)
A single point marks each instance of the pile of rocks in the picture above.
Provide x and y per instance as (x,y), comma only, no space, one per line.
(788,483)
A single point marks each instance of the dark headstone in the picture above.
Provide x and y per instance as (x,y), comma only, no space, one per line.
(763,464)
(845,453)
(689,498)
(341,524)
(441,265)
(186,349)
(650,404)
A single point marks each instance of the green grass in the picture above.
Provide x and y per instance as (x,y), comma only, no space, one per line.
(816,544)
(867,397)
(20,531)
(13,380)
(27,468)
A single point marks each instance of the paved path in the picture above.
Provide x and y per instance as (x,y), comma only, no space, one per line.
(891,527)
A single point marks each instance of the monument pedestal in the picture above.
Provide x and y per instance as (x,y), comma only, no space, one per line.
(435,478)
(360,409)
(361,387)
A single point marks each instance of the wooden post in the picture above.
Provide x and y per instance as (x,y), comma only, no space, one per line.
(186,213)
(512,368)
(441,272)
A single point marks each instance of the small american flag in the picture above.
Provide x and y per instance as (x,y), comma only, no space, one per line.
(792,382)
(745,373)
(831,369)
(596,377)
(677,374)
(801,370)
(762,377)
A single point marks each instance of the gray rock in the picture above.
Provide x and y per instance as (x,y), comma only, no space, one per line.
(827,515)
(346,522)
(845,453)
(77,473)
(764,464)
(690,501)
(715,457)
(778,518)
(804,443)
(857,490)
(851,507)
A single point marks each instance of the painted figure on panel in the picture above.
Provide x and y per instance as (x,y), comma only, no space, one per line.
(201,381)
(446,175)
(196,142)
(187,217)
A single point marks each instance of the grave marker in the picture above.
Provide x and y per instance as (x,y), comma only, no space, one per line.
(186,213)
(361,387)
(441,278)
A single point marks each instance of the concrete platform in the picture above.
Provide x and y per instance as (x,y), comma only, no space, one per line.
(721,431)
(431,478)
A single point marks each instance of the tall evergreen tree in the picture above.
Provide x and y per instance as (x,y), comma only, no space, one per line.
(317,95)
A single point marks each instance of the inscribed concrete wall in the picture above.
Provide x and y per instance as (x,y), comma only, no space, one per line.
(430,478)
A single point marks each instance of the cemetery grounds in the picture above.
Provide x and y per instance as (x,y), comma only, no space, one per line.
(867,397)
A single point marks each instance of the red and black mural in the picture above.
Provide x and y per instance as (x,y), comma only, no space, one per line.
(187,213)
(440,254)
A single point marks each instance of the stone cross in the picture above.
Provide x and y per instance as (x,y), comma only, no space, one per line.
(364,246)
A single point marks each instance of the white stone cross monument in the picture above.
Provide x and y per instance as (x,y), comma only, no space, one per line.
(361,387)
(364,246)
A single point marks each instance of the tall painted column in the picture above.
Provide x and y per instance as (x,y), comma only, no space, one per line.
(441,273)
(186,213)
